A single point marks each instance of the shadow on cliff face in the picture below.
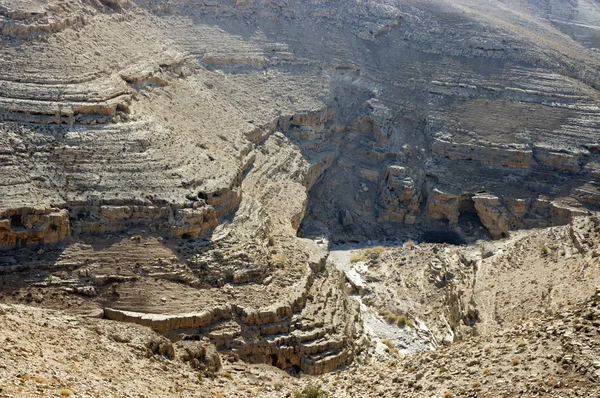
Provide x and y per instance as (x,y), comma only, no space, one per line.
(442,236)
(85,273)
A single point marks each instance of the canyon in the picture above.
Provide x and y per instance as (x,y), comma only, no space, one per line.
(265,188)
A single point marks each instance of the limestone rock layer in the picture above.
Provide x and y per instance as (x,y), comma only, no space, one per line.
(160,158)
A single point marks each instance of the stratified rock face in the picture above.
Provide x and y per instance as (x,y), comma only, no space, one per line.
(491,112)
(33,227)
(298,333)
(468,129)
(181,146)
(400,196)
(585,231)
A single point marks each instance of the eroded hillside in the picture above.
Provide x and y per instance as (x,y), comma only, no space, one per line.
(187,166)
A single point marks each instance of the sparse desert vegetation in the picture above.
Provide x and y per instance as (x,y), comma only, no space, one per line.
(367,254)
(312,391)
(398,319)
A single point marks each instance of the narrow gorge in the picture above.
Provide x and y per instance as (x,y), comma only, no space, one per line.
(326,187)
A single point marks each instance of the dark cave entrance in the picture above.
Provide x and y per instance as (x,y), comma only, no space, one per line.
(468,228)
(466,205)
(16,221)
(274,359)
(442,236)
(469,223)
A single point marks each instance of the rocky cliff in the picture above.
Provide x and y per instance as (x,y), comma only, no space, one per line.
(162,158)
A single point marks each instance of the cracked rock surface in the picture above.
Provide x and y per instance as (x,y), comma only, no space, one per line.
(254,194)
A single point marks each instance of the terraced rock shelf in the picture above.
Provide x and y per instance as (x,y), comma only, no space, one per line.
(188,171)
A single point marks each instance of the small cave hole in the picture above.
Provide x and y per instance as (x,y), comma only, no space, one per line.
(16,221)
(469,221)
(274,359)
(466,205)
(186,236)
(54,228)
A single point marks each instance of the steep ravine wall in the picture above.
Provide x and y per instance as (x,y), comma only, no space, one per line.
(409,174)
(312,327)
(427,146)
(185,120)
(373,196)
(193,216)
(298,333)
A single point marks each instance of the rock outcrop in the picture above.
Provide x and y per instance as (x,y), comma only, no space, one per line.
(20,227)
(162,161)
(299,333)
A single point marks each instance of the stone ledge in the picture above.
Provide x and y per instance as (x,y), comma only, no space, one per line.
(166,323)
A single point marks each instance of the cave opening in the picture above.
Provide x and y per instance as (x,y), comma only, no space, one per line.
(202,195)
(442,236)
(469,223)
(274,359)
(466,205)
(468,227)
(16,221)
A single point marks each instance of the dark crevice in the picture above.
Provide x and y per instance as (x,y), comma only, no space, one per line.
(442,236)
(16,221)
